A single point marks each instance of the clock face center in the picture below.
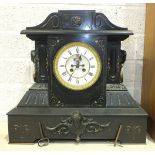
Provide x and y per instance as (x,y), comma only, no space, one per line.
(77,66)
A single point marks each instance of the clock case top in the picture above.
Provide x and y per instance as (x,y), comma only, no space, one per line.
(86,26)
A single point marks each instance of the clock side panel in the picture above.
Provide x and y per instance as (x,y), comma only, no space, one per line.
(39,58)
(116,58)
(94,96)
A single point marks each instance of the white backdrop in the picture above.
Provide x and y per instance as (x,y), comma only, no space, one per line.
(16,68)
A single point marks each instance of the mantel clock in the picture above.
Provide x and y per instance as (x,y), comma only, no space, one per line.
(78,91)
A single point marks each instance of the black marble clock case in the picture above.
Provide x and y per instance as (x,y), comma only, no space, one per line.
(83,98)
(105,111)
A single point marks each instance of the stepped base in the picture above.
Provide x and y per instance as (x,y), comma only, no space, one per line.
(26,125)
(121,120)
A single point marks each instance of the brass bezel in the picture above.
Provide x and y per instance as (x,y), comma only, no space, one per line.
(58,75)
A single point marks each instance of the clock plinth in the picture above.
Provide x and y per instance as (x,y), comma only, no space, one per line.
(77,123)
(78,92)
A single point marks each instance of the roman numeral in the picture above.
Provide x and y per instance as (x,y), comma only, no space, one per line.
(85,52)
(77,81)
(64,73)
(85,79)
(62,65)
(91,58)
(91,74)
(77,50)
(70,52)
(92,66)
(70,79)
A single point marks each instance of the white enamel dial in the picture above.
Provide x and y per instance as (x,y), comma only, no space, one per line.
(77,66)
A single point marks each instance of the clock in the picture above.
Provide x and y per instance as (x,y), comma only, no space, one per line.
(77,66)
(78,91)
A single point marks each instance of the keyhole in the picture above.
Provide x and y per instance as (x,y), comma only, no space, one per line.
(71,70)
(83,69)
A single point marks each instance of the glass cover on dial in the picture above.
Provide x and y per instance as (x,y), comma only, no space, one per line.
(77,66)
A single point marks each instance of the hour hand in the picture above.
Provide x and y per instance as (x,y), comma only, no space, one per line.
(71,75)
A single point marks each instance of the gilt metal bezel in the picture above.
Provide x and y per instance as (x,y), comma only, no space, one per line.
(71,86)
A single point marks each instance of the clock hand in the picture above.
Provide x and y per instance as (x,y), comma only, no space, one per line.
(71,74)
(78,60)
(79,65)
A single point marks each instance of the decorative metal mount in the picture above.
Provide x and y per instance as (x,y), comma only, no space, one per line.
(76,21)
(55,101)
(101,42)
(78,125)
(54,41)
(99,102)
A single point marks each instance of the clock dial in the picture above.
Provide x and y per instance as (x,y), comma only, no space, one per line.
(77,66)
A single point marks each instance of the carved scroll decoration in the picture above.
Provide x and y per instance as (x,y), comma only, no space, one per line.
(78,125)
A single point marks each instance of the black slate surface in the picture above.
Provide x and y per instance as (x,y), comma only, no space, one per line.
(116,97)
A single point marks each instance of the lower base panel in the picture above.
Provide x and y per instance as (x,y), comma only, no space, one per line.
(29,125)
